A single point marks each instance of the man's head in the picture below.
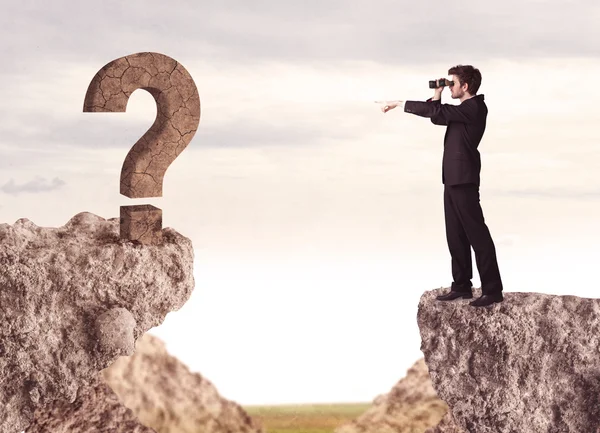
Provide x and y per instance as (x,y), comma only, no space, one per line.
(467,80)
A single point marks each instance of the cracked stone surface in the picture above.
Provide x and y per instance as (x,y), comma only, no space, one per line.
(177,119)
(528,364)
(177,114)
(165,395)
(411,406)
(72,300)
(96,409)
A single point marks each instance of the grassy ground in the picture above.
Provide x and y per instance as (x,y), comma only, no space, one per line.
(306,418)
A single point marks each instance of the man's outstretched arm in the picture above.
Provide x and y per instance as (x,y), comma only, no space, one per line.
(465,113)
(436,119)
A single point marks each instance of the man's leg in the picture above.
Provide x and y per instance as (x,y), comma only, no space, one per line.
(466,202)
(458,244)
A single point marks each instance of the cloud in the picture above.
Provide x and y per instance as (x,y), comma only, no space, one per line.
(392,32)
(261,90)
(35,186)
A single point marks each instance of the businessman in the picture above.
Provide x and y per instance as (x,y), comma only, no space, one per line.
(461,167)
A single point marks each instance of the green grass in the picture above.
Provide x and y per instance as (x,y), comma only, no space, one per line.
(306,418)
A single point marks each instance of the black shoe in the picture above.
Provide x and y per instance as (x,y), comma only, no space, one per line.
(485,300)
(454,295)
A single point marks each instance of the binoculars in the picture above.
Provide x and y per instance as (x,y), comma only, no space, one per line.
(433,84)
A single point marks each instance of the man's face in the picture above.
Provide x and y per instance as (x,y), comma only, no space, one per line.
(456,90)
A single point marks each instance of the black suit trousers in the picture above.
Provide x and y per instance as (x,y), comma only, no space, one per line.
(465,227)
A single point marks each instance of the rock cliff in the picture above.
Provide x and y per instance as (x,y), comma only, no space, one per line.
(72,300)
(162,394)
(411,406)
(165,395)
(528,364)
(96,409)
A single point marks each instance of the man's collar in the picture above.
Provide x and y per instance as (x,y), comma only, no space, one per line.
(476,96)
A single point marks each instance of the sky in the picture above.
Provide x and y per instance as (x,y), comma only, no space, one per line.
(317,220)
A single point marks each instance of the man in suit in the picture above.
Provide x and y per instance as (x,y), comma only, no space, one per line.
(461,167)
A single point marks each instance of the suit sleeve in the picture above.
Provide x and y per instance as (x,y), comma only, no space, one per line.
(437,120)
(438,112)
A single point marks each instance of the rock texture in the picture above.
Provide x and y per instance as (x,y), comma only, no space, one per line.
(446,425)
(73,299)
(177,114)
(529,364)
(95,410)
(410,407)
(177,119)
(165,395)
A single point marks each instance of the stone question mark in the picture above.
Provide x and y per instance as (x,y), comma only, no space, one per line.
(177,119)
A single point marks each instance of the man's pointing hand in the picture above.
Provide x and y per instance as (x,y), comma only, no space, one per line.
(390,105)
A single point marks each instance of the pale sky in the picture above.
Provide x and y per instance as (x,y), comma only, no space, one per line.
(317,220)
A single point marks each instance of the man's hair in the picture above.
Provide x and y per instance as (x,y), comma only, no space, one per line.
(467,74)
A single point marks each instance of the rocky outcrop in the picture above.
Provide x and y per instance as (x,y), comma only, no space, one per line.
(446,425)
(410,406)
(154,393)
(528,364)
(96,409)
(165,395)
(75,298)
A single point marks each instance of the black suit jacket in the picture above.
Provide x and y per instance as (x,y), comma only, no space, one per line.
(465,123)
